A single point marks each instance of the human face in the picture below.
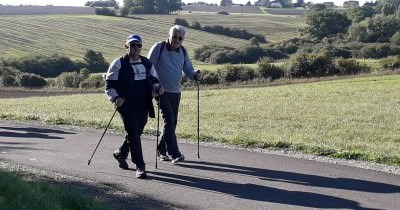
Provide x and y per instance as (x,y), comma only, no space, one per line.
(176,40)
(134,49)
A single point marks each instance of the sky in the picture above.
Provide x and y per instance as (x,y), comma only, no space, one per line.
(82,2)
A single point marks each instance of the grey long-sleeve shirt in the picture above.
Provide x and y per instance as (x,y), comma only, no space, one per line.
(169,66)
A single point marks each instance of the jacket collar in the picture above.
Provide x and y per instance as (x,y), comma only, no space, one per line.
(169,46)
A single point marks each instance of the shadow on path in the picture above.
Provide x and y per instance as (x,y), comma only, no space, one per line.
(258,192)
(30,132)
(296,178)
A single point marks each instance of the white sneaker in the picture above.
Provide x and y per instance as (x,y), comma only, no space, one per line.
(141,173)
(178,159)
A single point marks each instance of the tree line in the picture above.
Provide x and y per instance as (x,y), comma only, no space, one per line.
(136,6)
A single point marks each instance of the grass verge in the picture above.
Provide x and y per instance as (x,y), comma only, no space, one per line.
(16,193)
(354,118)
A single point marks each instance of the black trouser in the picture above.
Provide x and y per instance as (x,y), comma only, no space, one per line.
(134,122)
(169,109)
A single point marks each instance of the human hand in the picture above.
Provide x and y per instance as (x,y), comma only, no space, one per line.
(158,91)
(118,102)
(198,75)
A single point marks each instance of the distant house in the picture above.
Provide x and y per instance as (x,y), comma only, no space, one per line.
(348,4)
(226,3)
(261,3)
(275,4)
(329,4)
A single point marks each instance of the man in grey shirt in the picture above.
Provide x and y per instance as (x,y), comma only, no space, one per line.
(170,58)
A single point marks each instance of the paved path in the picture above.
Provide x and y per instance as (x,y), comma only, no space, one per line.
(221,179)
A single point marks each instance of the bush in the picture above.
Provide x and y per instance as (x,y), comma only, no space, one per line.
(312,65)
(268,70)
(45,66)
(196,25)
(94,81)
(335,51)
(220,57)
(235,32)
(233,73)
(223,13)
(395,39)
(7,80)
(182,22)
(8,75)
(204,53)
(30,80)
(210,78)
(375,50)
(69,80)
(391,63)
(105,11)
(351,66)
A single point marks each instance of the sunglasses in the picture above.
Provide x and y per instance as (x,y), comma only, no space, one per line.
(177,37)
(135,45)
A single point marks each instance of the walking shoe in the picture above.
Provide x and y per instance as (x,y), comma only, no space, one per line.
(163,157)
(141,173)
(122,162)
(178,159)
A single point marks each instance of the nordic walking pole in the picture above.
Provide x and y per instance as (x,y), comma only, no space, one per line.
(158,125)
(198,120)
(102,136)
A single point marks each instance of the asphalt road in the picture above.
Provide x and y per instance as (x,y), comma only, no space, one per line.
(220,179)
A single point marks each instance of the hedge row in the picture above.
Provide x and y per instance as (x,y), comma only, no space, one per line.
(301,66)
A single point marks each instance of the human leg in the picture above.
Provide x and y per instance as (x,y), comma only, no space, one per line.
(134,122)
(121,154)
(169,109)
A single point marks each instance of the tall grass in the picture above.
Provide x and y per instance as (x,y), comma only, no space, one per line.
(351,118)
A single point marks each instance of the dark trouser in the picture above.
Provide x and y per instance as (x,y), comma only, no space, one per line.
(169,109)
(134,122)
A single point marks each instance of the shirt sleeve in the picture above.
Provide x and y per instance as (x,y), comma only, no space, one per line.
(154,53)
(112,79)
(187,65)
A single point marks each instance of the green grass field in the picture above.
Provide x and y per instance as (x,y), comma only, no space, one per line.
(72,35)
(349,118)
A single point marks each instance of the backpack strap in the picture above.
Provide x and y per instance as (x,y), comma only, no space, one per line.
(147,64)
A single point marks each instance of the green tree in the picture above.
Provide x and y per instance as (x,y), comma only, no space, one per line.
(325,23)
(95,61)
(388,7)
(358,14)
(174,5)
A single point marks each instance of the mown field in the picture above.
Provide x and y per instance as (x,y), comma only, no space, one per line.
(350,118)
(72,35)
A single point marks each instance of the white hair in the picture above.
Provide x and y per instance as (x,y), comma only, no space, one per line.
(177,28)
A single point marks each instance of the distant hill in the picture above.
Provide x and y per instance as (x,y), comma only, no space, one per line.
(72,35)
(38,10)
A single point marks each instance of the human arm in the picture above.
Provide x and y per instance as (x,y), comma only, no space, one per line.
(112,83)
(188,68)
(154,53)
(157,88)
